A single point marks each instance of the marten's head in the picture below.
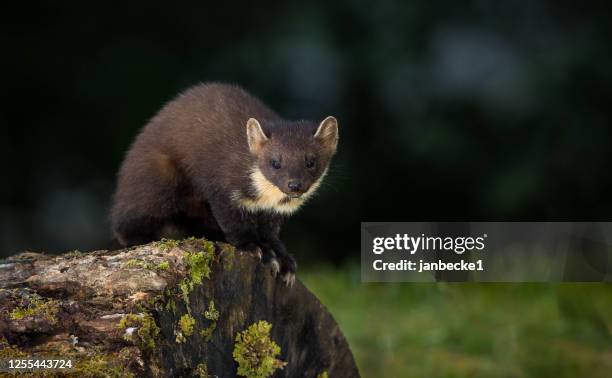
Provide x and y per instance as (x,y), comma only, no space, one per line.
(291,157)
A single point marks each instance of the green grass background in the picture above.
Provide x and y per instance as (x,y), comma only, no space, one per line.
(468,329)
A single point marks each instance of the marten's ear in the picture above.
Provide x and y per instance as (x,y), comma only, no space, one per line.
(255,136)
(327,133)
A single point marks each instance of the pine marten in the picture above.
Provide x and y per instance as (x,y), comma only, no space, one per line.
(217,162)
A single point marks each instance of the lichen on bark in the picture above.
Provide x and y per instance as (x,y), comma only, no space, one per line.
(116,313)
(256,353)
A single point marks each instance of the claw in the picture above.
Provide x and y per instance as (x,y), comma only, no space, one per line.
(274,267)
(258,253)
(289,279)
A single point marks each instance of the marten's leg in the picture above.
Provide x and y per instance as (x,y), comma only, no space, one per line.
(239,227)
(269,229)
(129,231)
(144,203)
(195,216)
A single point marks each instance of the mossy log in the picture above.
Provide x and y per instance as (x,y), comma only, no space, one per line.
(188,308)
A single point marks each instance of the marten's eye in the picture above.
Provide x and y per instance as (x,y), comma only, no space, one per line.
(310,163)
(275,164)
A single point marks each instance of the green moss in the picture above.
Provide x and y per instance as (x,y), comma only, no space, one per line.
(228,253)
(186,324)
(197,260)
(100,365)
(185,328)
(93,364)
(256,353)
(323,375)
(171,305)
(146,330)
(75,253)
(206,333)
(133,263)
(164,265)
(202,370)
(198,265)
(167,244)
(211,313)
(138,264)
(185,290)
(37,307)
(10,351)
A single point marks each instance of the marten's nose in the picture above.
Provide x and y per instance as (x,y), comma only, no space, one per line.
(294,186)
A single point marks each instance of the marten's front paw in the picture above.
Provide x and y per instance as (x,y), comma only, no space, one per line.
(252,248)
(289,279)
(289,266)
(270,259)
(274,267)
(256,252)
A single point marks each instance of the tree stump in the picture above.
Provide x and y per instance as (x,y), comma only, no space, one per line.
(170,308)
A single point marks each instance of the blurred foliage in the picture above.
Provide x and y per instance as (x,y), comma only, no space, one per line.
(470,330)
(472,110)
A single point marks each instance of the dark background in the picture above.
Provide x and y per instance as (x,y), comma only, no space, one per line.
(448,110)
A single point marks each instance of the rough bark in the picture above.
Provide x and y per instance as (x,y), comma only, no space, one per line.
(163,309)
